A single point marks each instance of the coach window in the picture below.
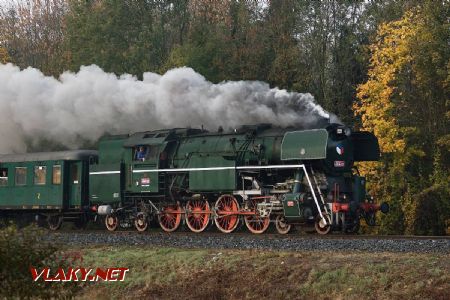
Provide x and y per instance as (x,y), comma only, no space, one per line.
(21,175)
(56,178)
(40,173)
(74,174)
(3,176)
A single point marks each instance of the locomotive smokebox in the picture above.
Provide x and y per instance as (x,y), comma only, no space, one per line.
(104,210)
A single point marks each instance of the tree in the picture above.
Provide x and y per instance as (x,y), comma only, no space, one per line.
(4,57)
(32,32)
(404,103)
(123,36)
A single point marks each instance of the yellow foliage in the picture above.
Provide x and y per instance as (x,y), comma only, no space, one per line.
(4,57)
(390,53)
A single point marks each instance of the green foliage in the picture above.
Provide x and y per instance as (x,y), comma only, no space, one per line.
(206,56)
(431,211)
(121,36)
(25,248)
(404,102)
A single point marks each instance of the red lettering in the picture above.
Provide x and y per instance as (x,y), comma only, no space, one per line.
(60,275)
(123,271)
(68,275)
(100,273)
(112,274)
(80,274)
(36,276)
(84,273)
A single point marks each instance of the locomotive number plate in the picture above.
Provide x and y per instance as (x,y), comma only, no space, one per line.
(339,163)
(145,181)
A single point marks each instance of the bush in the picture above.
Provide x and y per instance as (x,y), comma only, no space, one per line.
(432,211)
(25,248)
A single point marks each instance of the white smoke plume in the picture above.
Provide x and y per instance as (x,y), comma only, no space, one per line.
(88,104)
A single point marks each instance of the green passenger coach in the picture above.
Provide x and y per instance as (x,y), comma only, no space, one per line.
(48,185)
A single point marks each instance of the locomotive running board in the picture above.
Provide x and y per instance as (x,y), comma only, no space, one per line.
(220,168)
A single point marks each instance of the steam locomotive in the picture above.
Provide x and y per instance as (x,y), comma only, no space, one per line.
(255,174)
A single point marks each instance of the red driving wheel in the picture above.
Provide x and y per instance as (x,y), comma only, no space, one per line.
(197,215)
(170,218)
(227,209)
(255,223)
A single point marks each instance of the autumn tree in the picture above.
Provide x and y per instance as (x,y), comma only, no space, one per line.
(4,57)
(32,32)
(404,102)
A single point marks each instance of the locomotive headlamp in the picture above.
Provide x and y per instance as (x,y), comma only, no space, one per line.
(348,131)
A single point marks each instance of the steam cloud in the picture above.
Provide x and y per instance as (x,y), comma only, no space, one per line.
(86,105)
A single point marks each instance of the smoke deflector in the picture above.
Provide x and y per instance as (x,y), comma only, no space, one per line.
(306,144)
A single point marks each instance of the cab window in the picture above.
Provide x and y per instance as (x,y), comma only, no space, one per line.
(3,177)
(152,153)
(56,176)
(140,153)
(21,176)
(144,153)
(40,174)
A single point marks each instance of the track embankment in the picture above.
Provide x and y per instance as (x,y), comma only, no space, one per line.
(291,242)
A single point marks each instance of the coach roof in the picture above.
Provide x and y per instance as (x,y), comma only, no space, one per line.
(46,156)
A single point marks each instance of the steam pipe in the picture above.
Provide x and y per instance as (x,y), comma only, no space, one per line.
(297,182)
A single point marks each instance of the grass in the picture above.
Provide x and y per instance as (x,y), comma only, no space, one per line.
(168,273)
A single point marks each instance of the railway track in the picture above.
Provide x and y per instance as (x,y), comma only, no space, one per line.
(270,235)
(243,240)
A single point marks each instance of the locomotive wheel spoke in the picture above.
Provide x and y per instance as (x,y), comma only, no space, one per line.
(227,223)
(197,215)
(255,223)
(170,218)
(141,222)
(111,222)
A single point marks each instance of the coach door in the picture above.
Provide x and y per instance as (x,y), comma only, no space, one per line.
(74,184)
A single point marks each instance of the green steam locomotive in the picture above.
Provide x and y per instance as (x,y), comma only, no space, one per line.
(255,174)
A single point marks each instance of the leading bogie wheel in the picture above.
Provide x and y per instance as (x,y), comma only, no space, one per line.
(256,223)
(141,222)
(225,220)
(170,218)
(111,222)
(321,226)
(197,215)
(282,226)
(54,222)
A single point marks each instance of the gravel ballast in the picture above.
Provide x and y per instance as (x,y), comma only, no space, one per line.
(247,241)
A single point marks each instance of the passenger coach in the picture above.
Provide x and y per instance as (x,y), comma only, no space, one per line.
(49,186)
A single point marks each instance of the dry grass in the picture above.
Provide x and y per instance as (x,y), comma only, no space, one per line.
(166,273)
